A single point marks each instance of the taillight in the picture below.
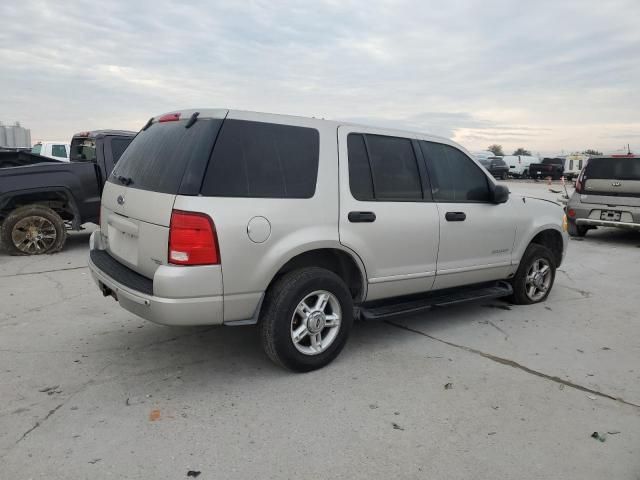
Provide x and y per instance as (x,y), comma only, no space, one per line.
(571,212)
(192,239)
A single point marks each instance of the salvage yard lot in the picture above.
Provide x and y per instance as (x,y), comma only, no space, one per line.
(87,390)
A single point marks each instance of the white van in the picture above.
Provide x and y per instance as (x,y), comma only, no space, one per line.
(54,150)
(519,164)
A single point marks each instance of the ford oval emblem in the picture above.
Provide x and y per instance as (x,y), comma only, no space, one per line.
(120,200)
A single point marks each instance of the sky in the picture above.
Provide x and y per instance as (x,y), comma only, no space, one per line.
(549,76)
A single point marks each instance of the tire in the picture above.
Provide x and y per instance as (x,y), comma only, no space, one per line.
(281,317)
(504,176)
(576,230)
(525,174)
(33,230)
(542,256)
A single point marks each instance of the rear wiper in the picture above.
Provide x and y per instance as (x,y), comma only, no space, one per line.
(124,180)
(192,119)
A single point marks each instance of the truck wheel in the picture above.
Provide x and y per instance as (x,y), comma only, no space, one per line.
(504,176)
(525,174)
(306,319)
(33,230)
(576,230)
(535,276)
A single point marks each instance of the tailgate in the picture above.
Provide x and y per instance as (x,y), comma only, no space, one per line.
(612,192)
(136,226)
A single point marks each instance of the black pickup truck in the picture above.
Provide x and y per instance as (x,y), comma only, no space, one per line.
(41,198)
(550,167)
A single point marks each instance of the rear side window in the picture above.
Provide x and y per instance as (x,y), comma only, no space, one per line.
(360,180)
(159,156)
(59,151)
(454,176)
(383,168)
(263,160)
(613,168)
(118,146)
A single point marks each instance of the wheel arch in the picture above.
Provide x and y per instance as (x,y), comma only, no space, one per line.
(334,257)
(552,238)
(59,199)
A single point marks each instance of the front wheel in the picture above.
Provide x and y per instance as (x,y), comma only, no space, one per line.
(306,319)
(535,276)
(33,230)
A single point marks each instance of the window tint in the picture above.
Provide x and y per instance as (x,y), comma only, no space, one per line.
(158,157)
(359,171)
(118,146)
(264,160)
(394,168)
(613,168)
(454,176)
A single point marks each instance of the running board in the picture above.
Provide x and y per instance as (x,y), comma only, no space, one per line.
(377,310)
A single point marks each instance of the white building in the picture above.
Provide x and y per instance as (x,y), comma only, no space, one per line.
(15,136)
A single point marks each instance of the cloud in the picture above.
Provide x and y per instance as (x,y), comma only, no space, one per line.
(544,75)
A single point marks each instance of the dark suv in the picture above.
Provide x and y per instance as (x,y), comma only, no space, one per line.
(496,166)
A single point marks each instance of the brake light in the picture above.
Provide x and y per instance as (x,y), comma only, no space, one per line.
(192,239)
(169,117)
(571,212)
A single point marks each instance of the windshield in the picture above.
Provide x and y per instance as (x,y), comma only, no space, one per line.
(83,149)
(613,168)
(37,148)
(157,158)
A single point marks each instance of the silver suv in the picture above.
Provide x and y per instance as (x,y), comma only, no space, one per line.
(607,195)
(298,225)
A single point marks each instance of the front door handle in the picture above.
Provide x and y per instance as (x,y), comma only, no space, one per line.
(362,217)
(455,216)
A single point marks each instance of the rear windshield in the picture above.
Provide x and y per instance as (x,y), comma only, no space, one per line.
(613,168)
(552,161)
(83,149)
(159,156)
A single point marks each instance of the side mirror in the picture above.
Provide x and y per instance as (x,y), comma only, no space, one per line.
(500,194)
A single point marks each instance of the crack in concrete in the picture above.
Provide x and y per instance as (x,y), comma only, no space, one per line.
(39,423)
(516,365)
(489,322)
(43,271)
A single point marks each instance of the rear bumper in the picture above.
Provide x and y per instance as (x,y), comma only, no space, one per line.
(201,310)
(607,223)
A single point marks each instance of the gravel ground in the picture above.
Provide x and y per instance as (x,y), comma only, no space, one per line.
(88,390)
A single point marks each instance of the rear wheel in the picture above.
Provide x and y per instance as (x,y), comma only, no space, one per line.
(535,276)
(33,230)
(576,230)
(504,176)
(306,319)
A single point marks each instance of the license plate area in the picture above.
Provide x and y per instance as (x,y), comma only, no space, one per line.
(610,215)
(123,245)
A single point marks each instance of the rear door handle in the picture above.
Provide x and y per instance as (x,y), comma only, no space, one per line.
(455,216)
(362,217)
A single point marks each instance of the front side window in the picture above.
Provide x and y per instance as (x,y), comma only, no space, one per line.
(59,151)
(263,160)
(454,176)
(37,148)
(383,168)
